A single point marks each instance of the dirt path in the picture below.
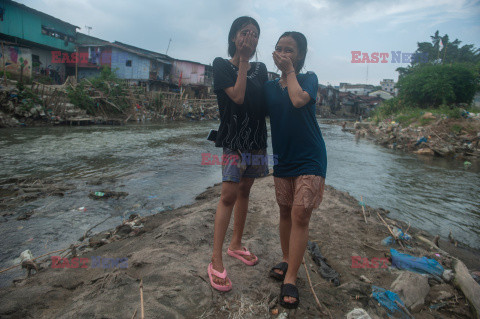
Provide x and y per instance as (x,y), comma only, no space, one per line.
(172,255)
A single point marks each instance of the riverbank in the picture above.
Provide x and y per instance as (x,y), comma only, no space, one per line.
(86,104)
(431,136)
(170,251)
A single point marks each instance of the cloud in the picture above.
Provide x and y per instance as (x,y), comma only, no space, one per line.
(199,29)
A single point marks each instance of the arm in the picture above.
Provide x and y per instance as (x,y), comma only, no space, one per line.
(297,95)
(244,51)
(237,92)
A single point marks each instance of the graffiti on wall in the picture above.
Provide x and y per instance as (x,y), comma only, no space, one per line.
(17,60)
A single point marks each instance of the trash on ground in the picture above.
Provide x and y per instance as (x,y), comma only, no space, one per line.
(421,265)
(358,313)
(389,300)
(325,270)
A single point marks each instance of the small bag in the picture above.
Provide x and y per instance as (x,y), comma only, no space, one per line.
(212,136)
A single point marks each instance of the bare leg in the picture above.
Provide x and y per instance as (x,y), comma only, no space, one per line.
(222,219)
(298,244)
(240,214)
(285,229)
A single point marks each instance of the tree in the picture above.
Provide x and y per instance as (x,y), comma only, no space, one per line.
(450,53)
(432,85)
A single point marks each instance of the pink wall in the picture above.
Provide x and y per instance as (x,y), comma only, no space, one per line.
(192,73)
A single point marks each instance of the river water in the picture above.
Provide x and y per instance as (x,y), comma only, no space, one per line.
(159,166)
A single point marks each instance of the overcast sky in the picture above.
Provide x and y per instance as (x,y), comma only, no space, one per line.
(199,29)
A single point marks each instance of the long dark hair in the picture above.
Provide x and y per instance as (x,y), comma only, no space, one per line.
(301,45)
(238,24)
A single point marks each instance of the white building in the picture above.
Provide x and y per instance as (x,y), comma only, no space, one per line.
(357,89)
(388,86)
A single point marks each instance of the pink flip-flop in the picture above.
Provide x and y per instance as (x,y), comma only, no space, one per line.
(244,252)
(222,275)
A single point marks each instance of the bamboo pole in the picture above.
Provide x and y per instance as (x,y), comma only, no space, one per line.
(363,209)
(320,305)
(142,310)
(391,232)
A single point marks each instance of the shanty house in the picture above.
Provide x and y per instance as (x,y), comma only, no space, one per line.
(29,37)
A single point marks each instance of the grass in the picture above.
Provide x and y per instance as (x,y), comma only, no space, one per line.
(394,110)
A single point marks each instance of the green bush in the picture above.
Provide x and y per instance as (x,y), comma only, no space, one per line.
(429,85)
(80,98)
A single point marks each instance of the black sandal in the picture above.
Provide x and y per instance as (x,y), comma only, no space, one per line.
(289,290)
(283,266)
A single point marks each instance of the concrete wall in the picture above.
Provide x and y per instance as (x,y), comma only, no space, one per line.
(45,57)
(15,57)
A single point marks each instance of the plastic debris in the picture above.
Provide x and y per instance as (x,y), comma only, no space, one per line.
(421,265)
(400,234)
(26,255)
(438,305)
(107,194)
(325,270)
(358,313)
(421,140)
(389,300)
(387,241)
(82,209)
(448,275)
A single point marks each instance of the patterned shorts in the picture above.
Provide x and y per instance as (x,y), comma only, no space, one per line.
(235,164)
(304,190)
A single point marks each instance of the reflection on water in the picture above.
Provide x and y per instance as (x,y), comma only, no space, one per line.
(435,194)
(159,165)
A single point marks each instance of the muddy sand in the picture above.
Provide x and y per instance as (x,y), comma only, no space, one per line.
(173,250)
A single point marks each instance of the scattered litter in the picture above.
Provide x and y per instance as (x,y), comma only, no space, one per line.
(400,234)
(389,300)
(448,275)
(421,265)
(387,241)
(26,255)
(82,209)
(358,313)
(438,305)
(421,140)
(325,270)
(107,194)
(365,279)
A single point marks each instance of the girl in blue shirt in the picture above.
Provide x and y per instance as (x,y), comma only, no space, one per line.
(297,140)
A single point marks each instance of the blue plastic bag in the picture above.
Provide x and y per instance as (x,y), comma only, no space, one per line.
(421,265)
(387,299)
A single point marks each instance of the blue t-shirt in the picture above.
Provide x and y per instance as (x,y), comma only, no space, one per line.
(296,137)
